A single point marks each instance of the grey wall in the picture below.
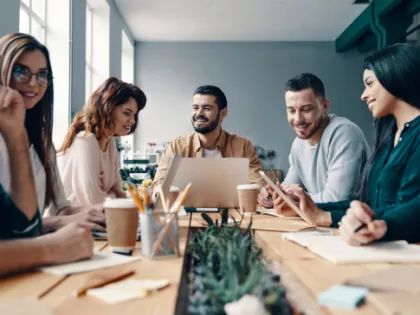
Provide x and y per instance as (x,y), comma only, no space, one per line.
(9,16)
(253,76)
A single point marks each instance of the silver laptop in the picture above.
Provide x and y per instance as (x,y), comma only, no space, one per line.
(214,181)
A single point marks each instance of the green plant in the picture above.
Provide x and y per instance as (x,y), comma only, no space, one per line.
(227,264)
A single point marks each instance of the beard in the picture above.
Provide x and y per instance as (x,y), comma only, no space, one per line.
(208,128)
(312,131)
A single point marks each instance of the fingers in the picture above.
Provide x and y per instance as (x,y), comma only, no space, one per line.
(94,226)
(361,211)
(378,229)
(262,200)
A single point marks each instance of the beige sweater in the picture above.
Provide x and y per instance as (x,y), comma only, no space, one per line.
(88,174)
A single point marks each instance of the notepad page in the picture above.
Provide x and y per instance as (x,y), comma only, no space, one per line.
(335,249)
(99,260)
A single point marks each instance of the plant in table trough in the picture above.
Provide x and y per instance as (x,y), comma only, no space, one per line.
(226,265)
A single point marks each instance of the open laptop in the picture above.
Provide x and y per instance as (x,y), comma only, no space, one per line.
(214,182)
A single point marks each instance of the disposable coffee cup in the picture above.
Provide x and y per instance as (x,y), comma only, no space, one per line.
(248,197)
(121,223)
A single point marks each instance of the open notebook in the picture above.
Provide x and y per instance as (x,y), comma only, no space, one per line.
(334,249)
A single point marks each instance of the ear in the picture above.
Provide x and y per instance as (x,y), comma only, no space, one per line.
(223,114)
(326,105)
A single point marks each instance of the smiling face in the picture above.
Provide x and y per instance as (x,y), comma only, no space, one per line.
(124,117)
(31,91)
(205,116)
(378,99)
(305,112)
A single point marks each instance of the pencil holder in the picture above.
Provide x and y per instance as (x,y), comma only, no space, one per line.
(151,225)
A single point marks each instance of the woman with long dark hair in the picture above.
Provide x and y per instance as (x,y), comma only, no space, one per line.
(26,68)
(388,193)
(88,159)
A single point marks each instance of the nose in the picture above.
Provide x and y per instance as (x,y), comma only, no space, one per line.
(200,111)
(132,120)
(32,81)
(298,117)
(364,95)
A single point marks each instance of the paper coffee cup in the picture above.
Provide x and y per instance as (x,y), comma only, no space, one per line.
(121,223)
(248,197)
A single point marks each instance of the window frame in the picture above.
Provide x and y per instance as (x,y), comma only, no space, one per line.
(33,16)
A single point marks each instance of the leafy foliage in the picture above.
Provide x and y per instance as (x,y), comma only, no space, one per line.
(227,264)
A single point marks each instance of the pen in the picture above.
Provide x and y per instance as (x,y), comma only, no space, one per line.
(361,226)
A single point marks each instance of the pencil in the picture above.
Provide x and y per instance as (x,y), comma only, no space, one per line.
(173,212)
(136,198)
(102,282)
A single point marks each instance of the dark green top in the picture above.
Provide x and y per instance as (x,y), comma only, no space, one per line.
(13,223)
(393,187)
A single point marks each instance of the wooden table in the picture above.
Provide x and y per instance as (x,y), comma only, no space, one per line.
(313,273)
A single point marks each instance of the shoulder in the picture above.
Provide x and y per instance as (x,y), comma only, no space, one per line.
(340,127)
(83,142)
(183,139)
(238,140)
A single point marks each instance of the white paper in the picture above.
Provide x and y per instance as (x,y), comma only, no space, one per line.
(335,249)
(127,290)
(99,260)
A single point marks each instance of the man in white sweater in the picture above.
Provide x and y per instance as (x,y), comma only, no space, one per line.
(328,153)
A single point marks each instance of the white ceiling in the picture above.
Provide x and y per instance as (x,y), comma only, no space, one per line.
(238,20)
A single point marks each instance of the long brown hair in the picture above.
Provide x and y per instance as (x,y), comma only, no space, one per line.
(39,119)
(95,117)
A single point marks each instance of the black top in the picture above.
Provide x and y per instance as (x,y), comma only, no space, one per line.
(14,223)
(393,187)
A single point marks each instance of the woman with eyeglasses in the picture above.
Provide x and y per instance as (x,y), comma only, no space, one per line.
(387,205)
(25,67)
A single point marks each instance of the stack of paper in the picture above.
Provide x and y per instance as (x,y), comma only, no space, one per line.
(334,248)
(97,261)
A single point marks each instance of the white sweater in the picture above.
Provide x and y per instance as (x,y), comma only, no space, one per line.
(39,177)
(329,170)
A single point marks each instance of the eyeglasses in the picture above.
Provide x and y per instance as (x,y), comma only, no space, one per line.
(23,75)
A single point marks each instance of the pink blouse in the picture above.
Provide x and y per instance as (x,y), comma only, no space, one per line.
(88,174)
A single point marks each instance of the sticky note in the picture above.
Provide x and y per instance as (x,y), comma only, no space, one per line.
(343,296)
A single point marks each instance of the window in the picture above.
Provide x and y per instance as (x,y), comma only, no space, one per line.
(127,75)
(89,39)
(32,19)
(97,44)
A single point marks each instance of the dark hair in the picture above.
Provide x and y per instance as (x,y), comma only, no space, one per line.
(39,119)
(397,69)
(305,81)
(215,91)
(95,117)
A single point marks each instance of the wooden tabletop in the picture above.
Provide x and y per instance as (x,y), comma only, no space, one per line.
(312,273)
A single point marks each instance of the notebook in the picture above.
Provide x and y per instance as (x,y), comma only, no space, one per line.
(24,307)
(99,260)
(336,250)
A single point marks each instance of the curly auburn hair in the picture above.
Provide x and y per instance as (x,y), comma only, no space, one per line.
(95,117)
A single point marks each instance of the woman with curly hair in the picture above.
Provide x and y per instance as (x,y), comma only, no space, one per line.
(88,158)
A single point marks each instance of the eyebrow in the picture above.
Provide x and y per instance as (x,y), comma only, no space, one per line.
(303,106)
(203,105)
(129,109)
(22,65)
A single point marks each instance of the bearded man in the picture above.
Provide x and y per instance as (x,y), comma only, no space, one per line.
(209,140)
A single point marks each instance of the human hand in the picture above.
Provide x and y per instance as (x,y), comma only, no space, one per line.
(70,243)
(360,214)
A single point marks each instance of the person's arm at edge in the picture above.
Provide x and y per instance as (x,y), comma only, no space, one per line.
(23,192)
